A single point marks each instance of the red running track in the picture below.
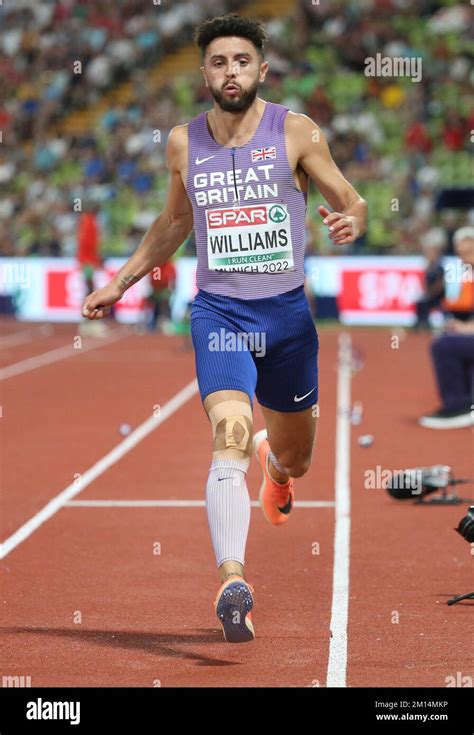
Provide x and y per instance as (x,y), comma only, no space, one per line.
(117,596)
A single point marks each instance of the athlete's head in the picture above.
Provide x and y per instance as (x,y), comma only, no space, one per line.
(232,55)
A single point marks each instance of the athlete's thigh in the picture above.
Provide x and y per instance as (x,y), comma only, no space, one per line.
(287,384)
(220,366)
(288,372)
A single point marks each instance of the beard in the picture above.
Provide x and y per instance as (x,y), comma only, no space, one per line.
(231,104)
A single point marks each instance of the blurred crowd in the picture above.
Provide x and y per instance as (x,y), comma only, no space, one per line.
(400,142)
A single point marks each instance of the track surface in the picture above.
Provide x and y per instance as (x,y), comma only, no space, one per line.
(109,595)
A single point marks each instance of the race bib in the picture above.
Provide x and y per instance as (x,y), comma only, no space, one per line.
(254,238)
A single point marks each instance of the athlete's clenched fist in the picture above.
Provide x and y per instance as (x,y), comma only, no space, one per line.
(98,303)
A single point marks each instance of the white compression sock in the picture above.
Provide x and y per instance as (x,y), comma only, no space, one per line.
(228,508)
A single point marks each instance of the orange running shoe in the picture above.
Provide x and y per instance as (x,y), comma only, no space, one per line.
(233,604)
(276,499)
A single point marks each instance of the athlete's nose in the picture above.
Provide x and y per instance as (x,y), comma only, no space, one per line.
(232,70)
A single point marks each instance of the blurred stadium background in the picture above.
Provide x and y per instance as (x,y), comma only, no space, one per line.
(91,89)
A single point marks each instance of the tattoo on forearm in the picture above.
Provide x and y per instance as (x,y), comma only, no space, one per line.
(128,281)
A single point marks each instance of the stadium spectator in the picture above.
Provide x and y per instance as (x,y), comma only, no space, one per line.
(391,137)
(88,239)
(163,281)
(460,303)
(433,244)
(453,352)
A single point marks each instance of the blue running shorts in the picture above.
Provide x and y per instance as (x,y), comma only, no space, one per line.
(266,347)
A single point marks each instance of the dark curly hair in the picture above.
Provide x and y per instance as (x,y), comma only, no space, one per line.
(231,25)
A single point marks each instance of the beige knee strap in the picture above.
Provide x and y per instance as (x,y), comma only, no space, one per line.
(232,426)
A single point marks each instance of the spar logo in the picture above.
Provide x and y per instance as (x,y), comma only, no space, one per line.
(234,217)
(277,213)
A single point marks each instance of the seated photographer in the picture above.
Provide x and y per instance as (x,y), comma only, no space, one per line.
(453,352)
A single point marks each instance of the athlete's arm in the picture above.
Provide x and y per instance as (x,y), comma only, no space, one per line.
(163,238)
(311,153)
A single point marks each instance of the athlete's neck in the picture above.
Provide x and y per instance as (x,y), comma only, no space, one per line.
(235,128)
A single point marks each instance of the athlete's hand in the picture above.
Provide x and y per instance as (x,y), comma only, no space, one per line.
(98,303)
(342,227)
(456,326)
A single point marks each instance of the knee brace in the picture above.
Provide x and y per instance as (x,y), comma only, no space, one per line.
(231,427)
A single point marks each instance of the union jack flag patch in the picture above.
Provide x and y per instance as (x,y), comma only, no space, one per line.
(262,154)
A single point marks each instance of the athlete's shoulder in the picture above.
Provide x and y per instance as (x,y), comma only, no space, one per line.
(299,122)
(177,145)
(177,139)
(178,135)
(302,132)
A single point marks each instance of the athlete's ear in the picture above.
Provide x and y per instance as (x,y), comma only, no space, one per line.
(263,70)
(203,72)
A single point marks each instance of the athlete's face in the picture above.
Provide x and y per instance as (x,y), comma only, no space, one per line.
(233,71)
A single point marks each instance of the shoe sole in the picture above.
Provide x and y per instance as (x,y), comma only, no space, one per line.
(232,608)
(456,422)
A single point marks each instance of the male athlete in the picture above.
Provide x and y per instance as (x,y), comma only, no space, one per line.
(239,176)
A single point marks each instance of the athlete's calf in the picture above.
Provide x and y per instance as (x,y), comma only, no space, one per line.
(227,497)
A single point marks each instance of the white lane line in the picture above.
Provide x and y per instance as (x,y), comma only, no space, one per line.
(177,504)
(59,353)
(337,664)
(99,468)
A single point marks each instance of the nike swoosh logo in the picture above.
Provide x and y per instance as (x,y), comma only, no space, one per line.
(203,160)
(300,398)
